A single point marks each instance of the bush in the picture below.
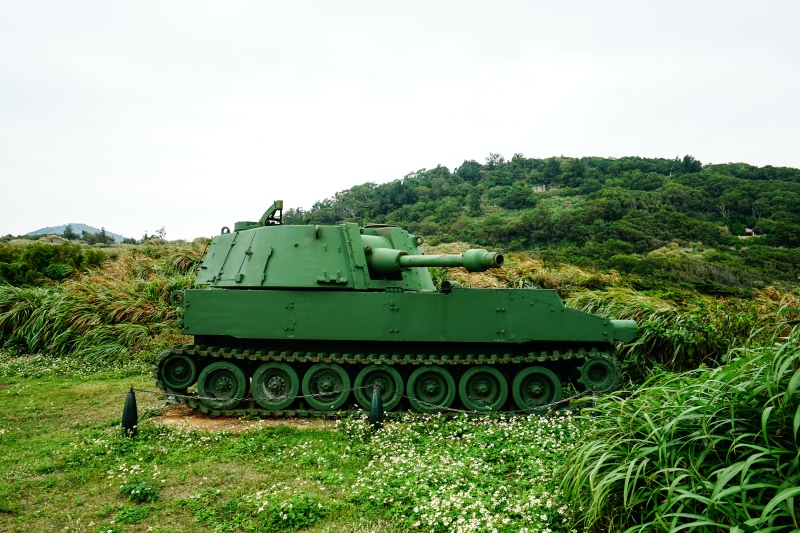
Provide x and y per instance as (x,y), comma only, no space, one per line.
(36,263)
(139,491)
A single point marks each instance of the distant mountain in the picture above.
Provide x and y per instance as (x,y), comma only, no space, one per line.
(77,228)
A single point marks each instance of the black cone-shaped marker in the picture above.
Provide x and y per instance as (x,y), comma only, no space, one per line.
(130,416)
(376,408)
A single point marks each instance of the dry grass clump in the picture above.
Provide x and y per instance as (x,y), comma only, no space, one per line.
(679,334)
(102,314)
(521,270)
(694,332)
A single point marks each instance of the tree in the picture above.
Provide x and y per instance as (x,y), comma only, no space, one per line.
(69,233)
(474,203)
(161,232)
(470,171)
(690,165)
(543,224)
(494,161)
(97,238)
(552,169)
(294,216)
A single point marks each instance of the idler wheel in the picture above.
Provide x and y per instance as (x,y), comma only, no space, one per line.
(483,388)
(389,381)
(275,385)
(330,385)
(178,373)
(223,381)
(536,386)
(430,388)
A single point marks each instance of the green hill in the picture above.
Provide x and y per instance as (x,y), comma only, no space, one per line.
(676,220)
(77,228)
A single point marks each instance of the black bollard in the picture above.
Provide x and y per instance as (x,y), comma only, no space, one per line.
(130,417)
(376,408)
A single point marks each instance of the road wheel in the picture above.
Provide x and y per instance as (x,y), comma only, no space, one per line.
(326,386)
(275,385)
(536,386)
(223,382)
(483,388)
(430,389)
(389,381)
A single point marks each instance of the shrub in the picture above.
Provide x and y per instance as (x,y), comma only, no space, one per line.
(35,263)
(139,491)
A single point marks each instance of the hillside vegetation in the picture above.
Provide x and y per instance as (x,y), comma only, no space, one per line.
(703,436)
(666,222)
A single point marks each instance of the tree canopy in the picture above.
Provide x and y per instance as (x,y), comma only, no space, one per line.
(591,208)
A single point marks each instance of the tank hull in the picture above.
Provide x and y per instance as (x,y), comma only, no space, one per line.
(431,352)
(494,316)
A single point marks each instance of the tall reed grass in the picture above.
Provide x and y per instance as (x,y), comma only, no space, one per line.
(709,450)
(106,313)
(679,332)
(699,331)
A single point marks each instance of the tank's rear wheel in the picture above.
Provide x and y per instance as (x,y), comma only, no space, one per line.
(599,372)
(275,385)
(387,378)
(329,384)
(430,388)
(536,386)
(483,388)
(224,382)
(178,373)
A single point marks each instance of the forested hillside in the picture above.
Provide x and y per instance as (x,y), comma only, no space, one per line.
(678,220)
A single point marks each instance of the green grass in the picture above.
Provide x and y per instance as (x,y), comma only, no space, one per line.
(64,466)
(711,450)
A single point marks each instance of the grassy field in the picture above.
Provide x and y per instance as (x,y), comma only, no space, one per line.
(66,467)
(703,438)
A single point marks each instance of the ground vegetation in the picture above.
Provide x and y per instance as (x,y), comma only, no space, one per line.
(702,436)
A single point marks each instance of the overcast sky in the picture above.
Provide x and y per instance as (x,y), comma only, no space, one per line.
(193,115)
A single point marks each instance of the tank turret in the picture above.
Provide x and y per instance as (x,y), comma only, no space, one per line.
(302,320)
(267,254)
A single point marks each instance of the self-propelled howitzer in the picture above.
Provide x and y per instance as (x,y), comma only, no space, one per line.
(292,320)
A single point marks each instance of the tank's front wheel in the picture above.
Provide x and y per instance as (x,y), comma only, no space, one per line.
(326,386)
(223,384)
(387,378)
(536,386)
(431,389)
(483,388)
(275,385)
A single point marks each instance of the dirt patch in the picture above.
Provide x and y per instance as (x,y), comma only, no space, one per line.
(4,386)
(183,416)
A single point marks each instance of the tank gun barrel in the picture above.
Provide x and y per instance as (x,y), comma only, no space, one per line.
(390,261)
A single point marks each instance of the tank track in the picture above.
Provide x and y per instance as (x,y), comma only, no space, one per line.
(215,353)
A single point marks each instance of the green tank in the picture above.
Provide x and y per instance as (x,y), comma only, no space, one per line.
(303,320)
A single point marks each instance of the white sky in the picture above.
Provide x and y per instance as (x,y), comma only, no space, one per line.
(193,115)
